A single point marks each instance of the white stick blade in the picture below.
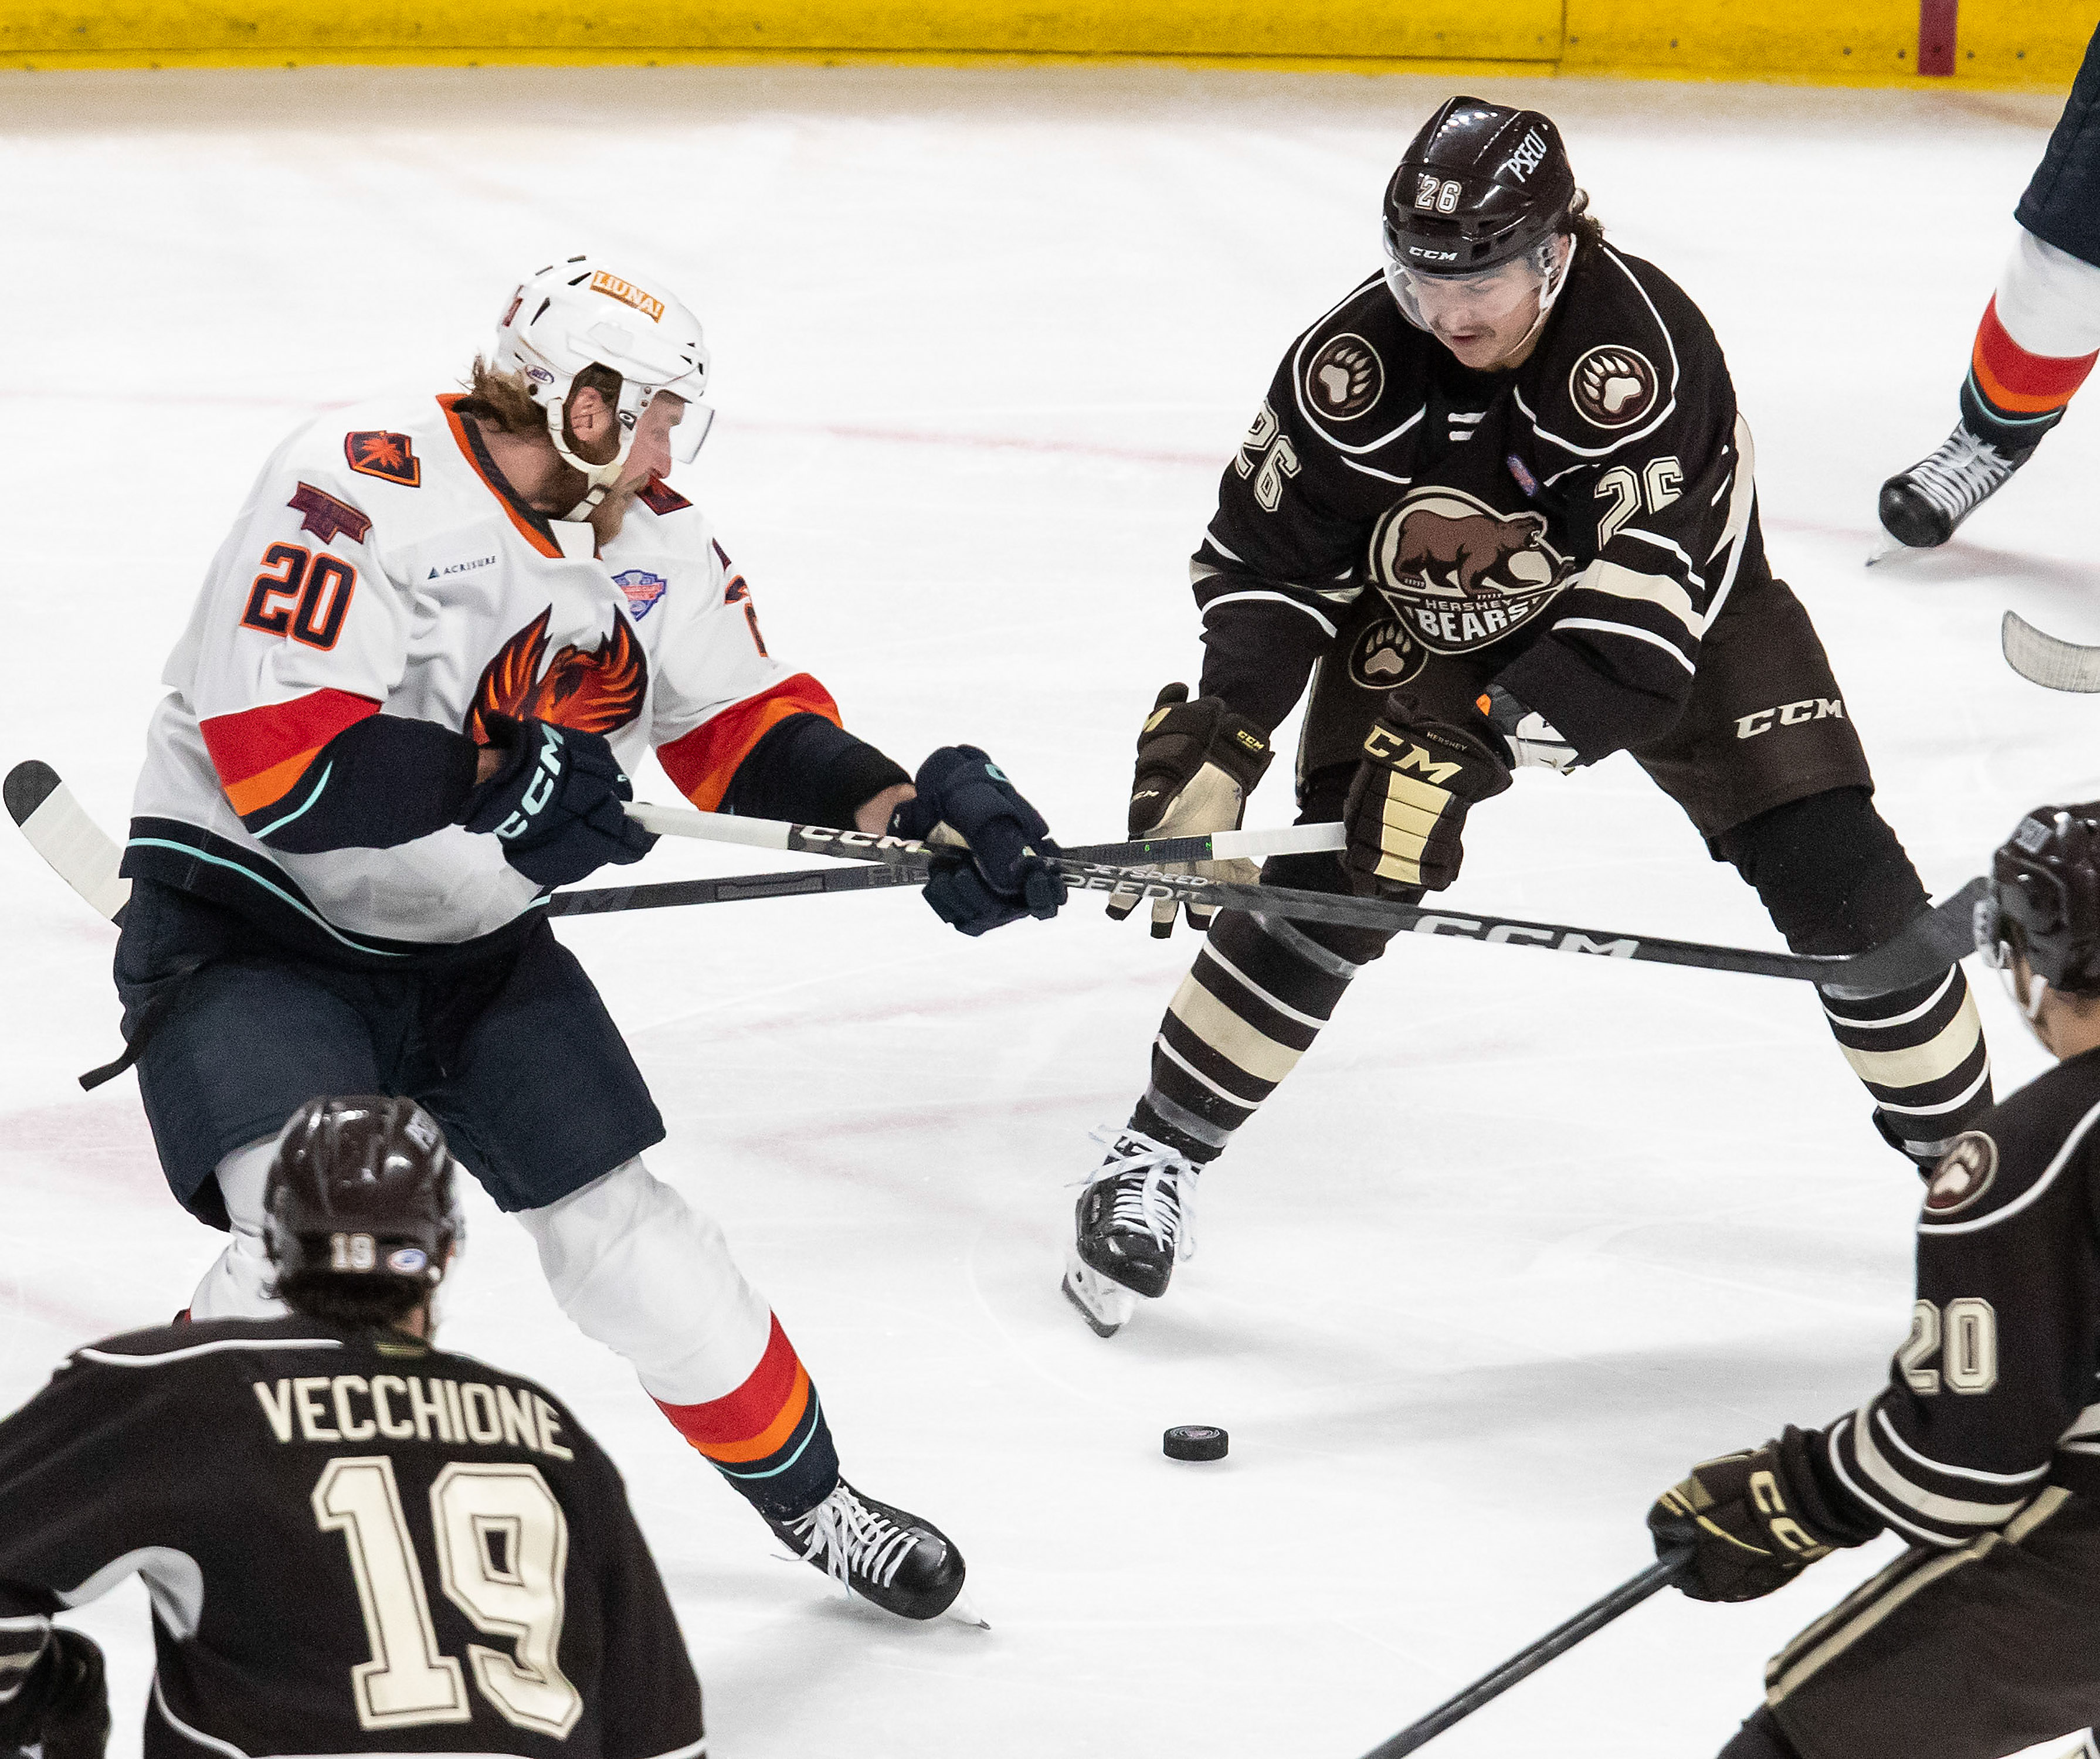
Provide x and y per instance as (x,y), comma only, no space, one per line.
(1285,839)
(78,848)
(2046,659)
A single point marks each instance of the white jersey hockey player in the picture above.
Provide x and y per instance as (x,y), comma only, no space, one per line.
(439,632)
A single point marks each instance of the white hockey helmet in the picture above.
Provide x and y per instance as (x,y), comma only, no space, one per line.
(576,314)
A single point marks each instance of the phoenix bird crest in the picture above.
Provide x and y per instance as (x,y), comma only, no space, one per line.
(593,690)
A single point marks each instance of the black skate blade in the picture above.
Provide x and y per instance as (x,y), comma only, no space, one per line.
(1099,1327)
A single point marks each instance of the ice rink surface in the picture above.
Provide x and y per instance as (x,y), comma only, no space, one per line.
(1522,1238)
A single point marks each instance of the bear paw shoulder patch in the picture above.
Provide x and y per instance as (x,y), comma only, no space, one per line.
(1965,1173)
(1613,387)
(1344,378)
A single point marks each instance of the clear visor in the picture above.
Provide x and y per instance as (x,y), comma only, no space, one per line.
(689,419)
(1490,299)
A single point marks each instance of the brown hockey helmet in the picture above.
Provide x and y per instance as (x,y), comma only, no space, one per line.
(2044,903)
(361,1186)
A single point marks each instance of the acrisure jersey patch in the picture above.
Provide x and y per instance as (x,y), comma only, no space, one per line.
(1344,378)
(1613,387)
(1964,1174)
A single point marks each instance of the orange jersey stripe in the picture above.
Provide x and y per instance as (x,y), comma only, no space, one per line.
(271,785)
(261,753)
(774,1436)
(449,404)
(702,764)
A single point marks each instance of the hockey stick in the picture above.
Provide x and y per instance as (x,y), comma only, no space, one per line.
(60,831)
(2047,660)
(864,845)
(1555,1642)
(1926,948)
(86,860)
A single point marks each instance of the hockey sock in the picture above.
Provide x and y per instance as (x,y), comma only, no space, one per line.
(768,1438)
(2039,339)
(1835,880)
(1252,1004)
(1920,1052)
(2011,398)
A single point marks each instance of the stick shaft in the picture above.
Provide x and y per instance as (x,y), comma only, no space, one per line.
(1556,1642)
(864,845)
(1927,947)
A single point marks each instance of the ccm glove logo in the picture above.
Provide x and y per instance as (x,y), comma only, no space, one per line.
(1383,745)
(540,789)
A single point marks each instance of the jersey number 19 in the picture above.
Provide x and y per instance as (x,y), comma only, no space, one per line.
(503,1546)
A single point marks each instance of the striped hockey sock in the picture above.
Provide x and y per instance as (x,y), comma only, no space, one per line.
(1252,1005)
(1920,1054)
(2012,397)
(768,1438)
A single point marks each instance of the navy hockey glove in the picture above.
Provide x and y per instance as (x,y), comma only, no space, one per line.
(1752,1521)
(63,1704)
(554,805)
(1407,806)
(1005,876)
(1197,763)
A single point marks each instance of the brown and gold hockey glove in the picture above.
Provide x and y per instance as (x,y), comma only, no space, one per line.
(1752,1521)
(1197,763)
(1407,806)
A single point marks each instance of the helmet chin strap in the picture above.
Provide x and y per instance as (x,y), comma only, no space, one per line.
(1549,291)
(601,477)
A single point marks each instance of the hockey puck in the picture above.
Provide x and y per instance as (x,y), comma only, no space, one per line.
(1195,1441)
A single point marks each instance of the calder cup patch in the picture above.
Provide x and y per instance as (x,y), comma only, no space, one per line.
(1613,387)
(643,589)
(1964,1174)
(1459,575)
(1344,378)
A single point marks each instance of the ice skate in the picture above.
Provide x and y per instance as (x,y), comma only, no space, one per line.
(1106,1307)
(1921,507)
(1133,1221)
(900,1562)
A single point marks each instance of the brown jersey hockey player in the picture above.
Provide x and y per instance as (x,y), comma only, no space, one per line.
(1498,508)
(1982,1451)
(354,1541)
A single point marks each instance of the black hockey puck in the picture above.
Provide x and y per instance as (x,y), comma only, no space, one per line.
(1195,1441)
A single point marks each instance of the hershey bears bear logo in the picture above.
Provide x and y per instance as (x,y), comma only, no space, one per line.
(1964,1174)
(1613,387)
(1459,575)
(593,690)
(1344,378)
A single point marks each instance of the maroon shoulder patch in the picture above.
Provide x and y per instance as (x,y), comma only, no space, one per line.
(659,497)
(325,516)
(388,456)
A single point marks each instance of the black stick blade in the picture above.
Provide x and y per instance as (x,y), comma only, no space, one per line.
(29,785)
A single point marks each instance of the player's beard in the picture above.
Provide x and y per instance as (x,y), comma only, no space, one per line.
(610,513)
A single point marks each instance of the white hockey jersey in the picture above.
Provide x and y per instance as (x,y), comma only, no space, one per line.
(381,566)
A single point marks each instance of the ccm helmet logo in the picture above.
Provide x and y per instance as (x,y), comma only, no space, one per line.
(1423,254)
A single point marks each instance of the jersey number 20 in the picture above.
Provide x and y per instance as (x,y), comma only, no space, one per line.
(503,1547)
